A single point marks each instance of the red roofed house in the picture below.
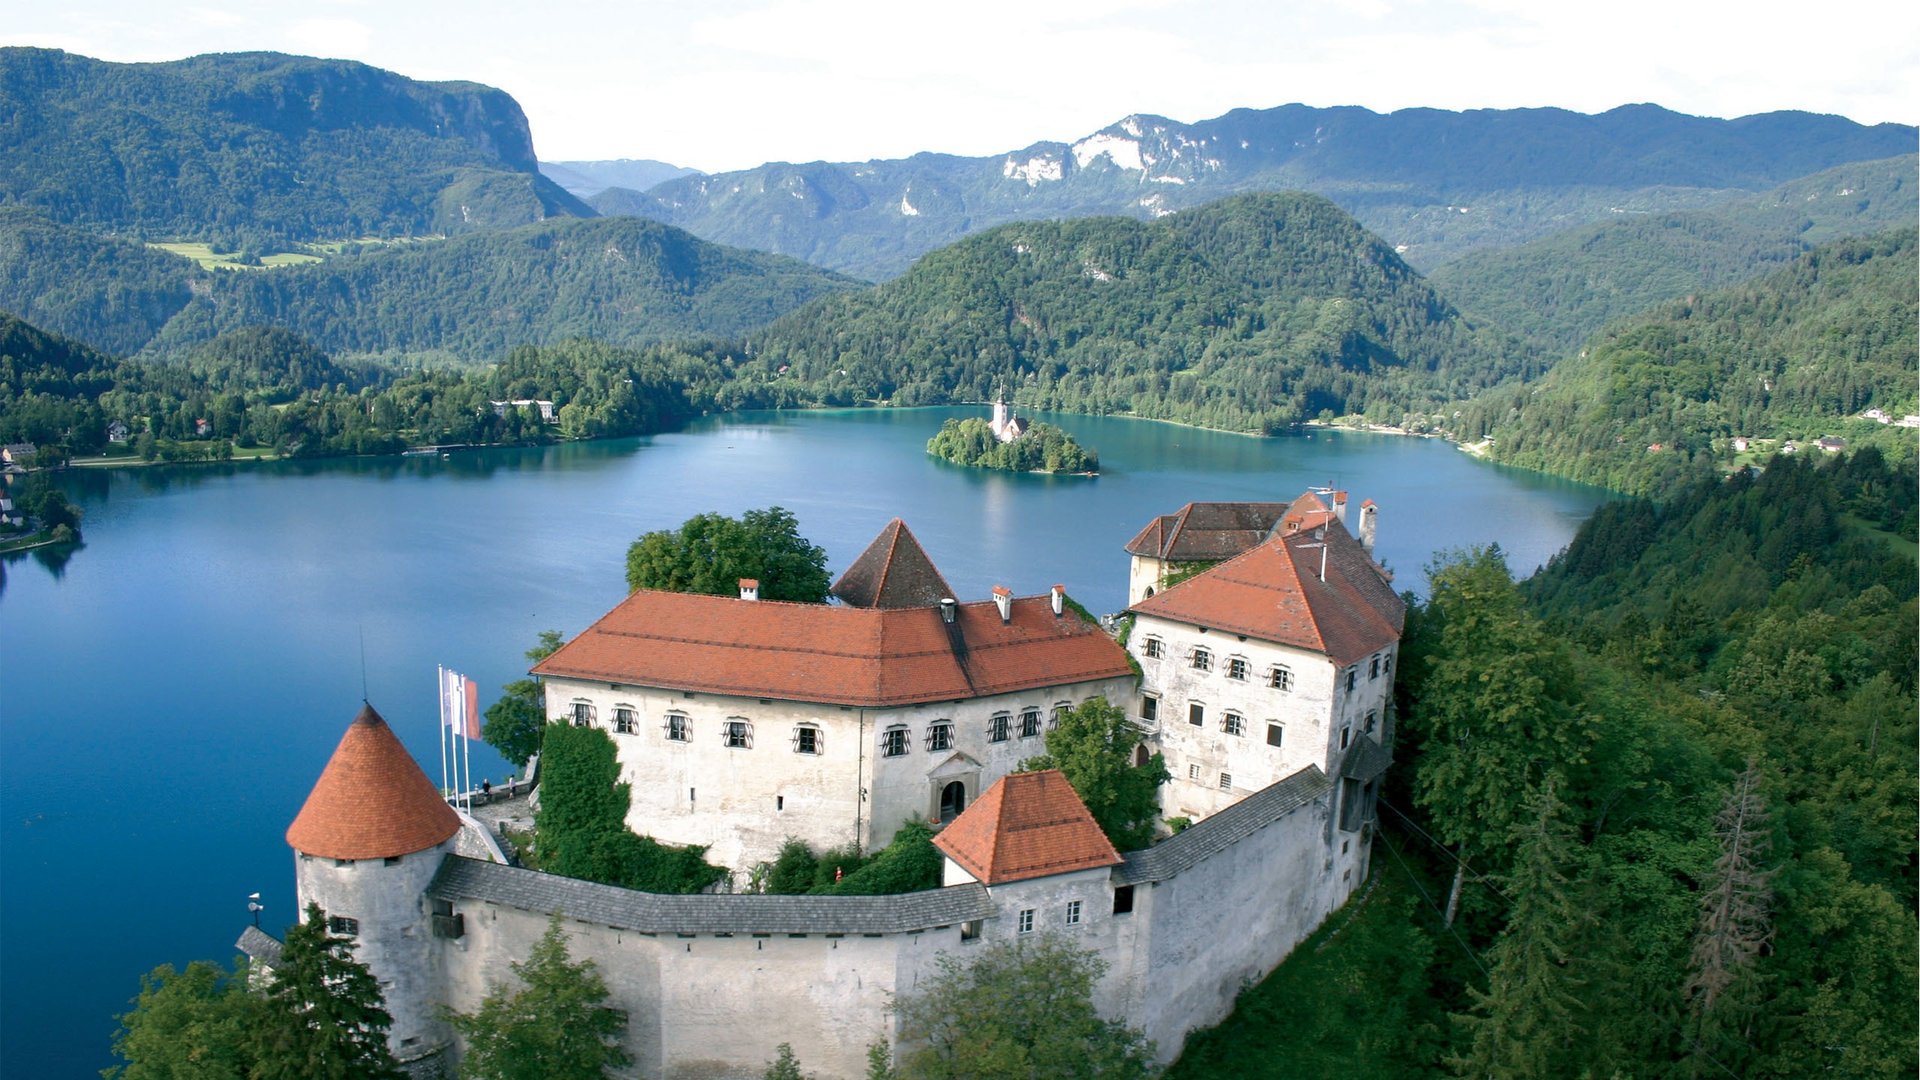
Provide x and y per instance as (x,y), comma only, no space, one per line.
(1277,659)
(742,722)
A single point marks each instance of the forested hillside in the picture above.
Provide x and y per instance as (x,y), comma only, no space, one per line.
(1251,314)
(1435,184)
(270,389)
(259,149)
(1659,397)
(1672,778)
(113,293)
(1559,290)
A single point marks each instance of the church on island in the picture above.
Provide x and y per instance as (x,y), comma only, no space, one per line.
(1256,655)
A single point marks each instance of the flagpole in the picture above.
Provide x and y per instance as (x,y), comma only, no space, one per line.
(440,721)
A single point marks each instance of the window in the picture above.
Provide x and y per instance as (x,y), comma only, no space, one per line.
(1233,724)
(969,931)
(1026,920)
(738,735)
(1346,735)
(677,727)
(893,741)
(1274,733)
(1237,668)
(1029,723)
(1149,708)
(1060,712)
(1123,900)
(1226,781)
(997,727)
(1386,664)
(341,924)
(806,740)
(582,714)
(1353,674)
(1073,913)
(939,736)
(1202,660)
(623,722)
(1373,667)
(1197,714)
(1373,718)
(1280,679)
(1153,648)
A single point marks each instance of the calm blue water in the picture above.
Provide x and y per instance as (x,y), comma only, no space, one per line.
(169,695)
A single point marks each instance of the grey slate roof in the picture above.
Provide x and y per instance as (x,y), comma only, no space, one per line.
(1366,761)
(654,913)
(261,947)
(1215,834)
(893,572)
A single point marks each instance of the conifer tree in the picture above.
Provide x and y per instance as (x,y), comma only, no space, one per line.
(1735,923)
(1528,1021)
(557,1026)
(324,1017)
(186,1025)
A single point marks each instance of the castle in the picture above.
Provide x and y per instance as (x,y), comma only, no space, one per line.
(1258,662)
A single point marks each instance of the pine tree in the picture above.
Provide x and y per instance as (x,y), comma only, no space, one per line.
(324,1018)
(555,1027)
(1528,1020)
(1735,923)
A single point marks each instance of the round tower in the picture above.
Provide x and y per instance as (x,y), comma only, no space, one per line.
(366,845)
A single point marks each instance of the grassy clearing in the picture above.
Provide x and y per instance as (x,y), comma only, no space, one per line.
(203,254)
(1893,542)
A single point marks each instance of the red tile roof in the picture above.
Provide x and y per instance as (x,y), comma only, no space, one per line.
(1027,825)
(1275,593)
(893,572)
(863,657)
(1205,531)
(371,801)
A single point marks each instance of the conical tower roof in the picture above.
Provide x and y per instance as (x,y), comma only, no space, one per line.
(372,801)
(894,572)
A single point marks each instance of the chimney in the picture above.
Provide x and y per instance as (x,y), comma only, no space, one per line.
(948,609)
(1369,520)
(1003,599)
(749,588)
(1059,600)
(1340,507)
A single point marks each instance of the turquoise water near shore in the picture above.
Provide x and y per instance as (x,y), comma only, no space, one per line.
(171,690)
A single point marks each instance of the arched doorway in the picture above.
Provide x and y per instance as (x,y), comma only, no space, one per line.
(1140,755)
(953,799)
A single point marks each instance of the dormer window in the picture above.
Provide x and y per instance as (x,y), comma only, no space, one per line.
(1153,648)
(1202,660)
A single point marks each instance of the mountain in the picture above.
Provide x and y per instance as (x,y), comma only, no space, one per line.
(589,178)
(1250,314)
(1659,397)
(1559,290)
(263,149)
(1435,184)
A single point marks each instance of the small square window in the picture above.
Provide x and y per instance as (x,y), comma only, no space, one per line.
(939,737)
(1123,900)
(1029,723)
(1226,781)
(1202,660)
(582,714)
(998,727)
(806,739)
(738,735)
(893,741)
(1233,724)
(1149,708)
(1026,921)
(343,925)
(1280,679)
(969,931)
(1073,913)
(1275,733)
(1193,773)
(1197,714)
(1153,648)
(623,722)
(1236,668)
(676,727)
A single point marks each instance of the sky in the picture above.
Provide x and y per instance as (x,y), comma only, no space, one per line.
(729,84)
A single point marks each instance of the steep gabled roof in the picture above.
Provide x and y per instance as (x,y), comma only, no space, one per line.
(862,657)
(1207,531)
(1027,825)
(1275,593)
(894,572)
(371,801)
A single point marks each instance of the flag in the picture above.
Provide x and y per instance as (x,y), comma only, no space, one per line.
(450,710)
(471,693)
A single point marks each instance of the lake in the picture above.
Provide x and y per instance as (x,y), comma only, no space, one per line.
(169,694)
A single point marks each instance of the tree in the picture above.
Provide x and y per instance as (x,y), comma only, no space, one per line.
(515,722)
(555,1027)
(1735,921)
(581,828)
(1016,1011)
(711,552)
(324,1017)
(187,1025)
(1094,746)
